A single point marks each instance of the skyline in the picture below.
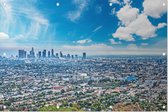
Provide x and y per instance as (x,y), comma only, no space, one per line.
(46,54)
(97,27)
(52,53)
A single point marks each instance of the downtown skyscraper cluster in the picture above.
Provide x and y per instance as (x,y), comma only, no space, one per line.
(47,54)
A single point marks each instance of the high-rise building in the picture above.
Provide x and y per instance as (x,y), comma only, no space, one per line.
(52,53)
(76,56)
(72,56)
(39,54)
(49,55)
(22,54)
(84,56)
(44,53)
(68,56)
(61,55)
(57,56)
(32,53)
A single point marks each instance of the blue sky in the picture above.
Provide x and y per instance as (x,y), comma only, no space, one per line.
(98,27)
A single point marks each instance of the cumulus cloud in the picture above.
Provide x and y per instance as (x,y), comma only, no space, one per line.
(84,41)
(6,42)
(127,14)
(4,36)
(135,23)
(112,41)
(124,33)
(161,25)
(142,27)
(81,5)
(155,8)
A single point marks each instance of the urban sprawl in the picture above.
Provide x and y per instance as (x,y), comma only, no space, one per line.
(49,81)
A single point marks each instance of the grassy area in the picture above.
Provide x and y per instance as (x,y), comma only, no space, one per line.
(54,108)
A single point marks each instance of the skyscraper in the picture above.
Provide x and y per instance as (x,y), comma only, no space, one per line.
(57,55)
(44,53)
(39,54)
(68,56)
(72,56)
(52,53)
(61,55)
(49,55)
(76,56)
(84,56)
(22,54)
(32,54)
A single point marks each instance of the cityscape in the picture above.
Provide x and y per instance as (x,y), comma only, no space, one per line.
(83,55)
(41,82)
(45,54)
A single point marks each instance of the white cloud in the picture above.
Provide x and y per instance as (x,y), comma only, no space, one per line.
(81,6)
(103,49)
(144,44)
(97,28)
(113,11)
(161,25)
(112,41)
(4,36)
(138,24)
(155,8)
(12,15)
(141,27)
(120,2)
(115,2)
(6,42)
(94,48)
(127,14)
(124,33)
(84,41)
(132,46)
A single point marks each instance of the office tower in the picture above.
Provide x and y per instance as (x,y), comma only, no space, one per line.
(49,55)
(84,56)
(32,54)
(57,55)
(68,56)
(76,56)
(72,56)
(39,54)
(52,53)
(44,53)
(22,54)
(61,55)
